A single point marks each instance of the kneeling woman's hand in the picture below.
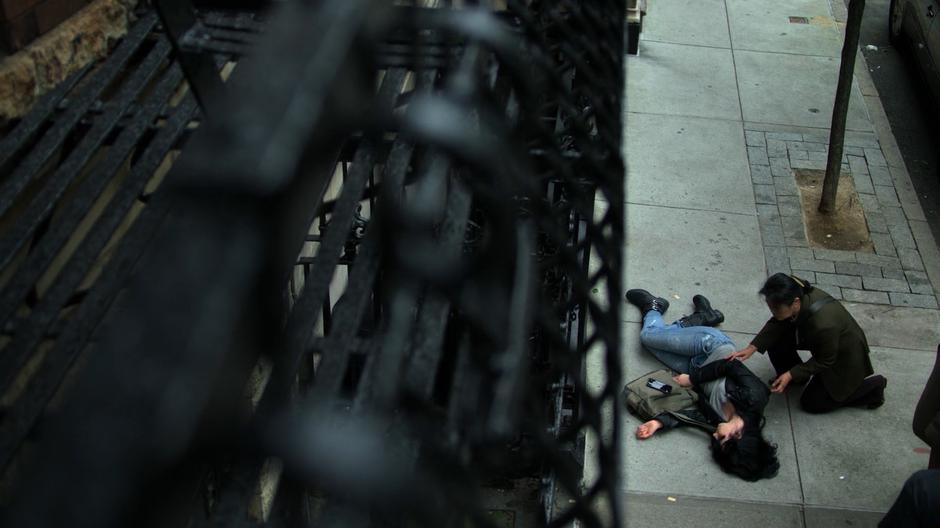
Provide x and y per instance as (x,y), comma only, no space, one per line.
(683,380)
(780,383)
(646,430)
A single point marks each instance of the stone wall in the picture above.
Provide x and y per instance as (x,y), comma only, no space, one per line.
(21,21)
(81,38)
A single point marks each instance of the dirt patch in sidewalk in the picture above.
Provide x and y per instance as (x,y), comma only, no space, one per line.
(846,228)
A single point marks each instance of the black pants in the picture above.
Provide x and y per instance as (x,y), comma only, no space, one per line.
(927,408)
(815,398)
(918,503)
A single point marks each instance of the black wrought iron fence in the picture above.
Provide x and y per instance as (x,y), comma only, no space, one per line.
(366,293)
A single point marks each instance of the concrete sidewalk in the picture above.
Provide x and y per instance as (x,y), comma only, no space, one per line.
(724,100)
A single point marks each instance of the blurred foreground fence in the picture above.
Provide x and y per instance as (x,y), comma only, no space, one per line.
(368,293)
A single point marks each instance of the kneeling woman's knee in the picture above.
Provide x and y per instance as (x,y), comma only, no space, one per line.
(813,405)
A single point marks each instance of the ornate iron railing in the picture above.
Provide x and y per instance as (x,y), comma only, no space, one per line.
(364,295)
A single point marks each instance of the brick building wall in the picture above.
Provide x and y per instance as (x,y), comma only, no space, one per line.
(21,21)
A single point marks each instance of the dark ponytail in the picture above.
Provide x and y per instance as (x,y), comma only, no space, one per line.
(781,289)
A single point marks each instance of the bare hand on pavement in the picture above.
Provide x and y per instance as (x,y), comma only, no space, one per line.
(647,429)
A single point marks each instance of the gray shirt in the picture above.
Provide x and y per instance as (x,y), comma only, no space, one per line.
(715,390)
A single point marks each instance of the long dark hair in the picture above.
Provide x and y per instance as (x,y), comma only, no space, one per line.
(750,457)
(781,289)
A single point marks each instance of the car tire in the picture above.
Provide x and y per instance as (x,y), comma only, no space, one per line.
(895,23)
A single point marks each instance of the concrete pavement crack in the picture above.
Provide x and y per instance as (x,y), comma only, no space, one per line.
(796,458)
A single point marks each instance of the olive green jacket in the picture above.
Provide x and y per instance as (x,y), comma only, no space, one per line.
(838,345)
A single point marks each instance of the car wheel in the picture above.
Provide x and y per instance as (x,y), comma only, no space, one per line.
(894,22)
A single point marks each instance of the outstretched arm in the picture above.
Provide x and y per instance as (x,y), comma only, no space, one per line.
(648,429)
(667,421)
(773,332)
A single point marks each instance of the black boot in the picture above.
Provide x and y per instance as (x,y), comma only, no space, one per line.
(645,301)
(695,319)
(704,314)
(702,305)
(871,394)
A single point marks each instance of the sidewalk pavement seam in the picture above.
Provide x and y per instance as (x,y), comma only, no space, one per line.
(689,116)
(796,453)
(750,502)
(807,127)
(687,208)
(783,53)
(679,497)
(657,41)
(930,352)
(734,61)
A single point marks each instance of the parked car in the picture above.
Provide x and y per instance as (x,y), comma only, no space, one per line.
(915,23)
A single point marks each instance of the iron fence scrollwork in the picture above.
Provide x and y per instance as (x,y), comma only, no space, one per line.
(388,229)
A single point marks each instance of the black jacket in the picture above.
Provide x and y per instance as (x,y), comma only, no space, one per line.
(836,341)
(746,392)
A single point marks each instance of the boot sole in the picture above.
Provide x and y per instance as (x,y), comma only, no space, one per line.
(879,403)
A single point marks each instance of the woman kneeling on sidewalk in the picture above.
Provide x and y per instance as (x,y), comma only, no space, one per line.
(839,374)
(730,395)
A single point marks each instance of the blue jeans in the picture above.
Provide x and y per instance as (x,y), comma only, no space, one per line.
(681,349)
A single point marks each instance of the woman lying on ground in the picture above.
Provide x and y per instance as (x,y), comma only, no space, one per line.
(731,397)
